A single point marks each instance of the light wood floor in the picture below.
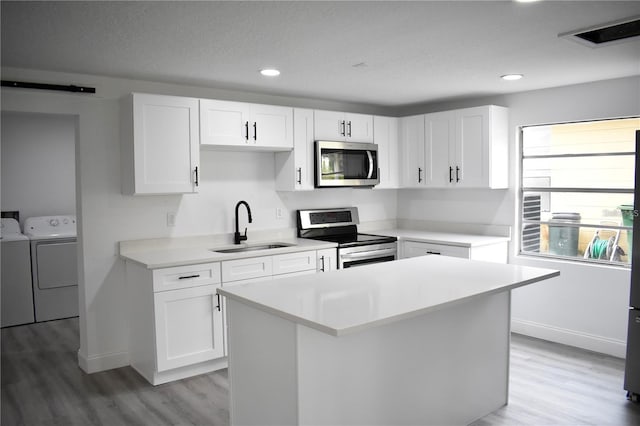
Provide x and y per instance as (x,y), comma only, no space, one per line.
(42,384)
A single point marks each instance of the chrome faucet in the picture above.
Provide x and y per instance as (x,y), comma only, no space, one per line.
(237,238)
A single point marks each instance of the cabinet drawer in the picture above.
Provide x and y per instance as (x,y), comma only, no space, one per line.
(294,262)
(414,248)
(242,269)
(186,276)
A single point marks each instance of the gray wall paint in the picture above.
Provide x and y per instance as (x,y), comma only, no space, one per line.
(38,164)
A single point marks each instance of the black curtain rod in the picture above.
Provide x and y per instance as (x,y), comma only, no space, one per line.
(44,86)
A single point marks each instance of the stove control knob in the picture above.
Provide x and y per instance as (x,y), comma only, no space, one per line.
(54,222)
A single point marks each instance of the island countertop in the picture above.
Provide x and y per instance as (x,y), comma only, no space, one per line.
(351,300)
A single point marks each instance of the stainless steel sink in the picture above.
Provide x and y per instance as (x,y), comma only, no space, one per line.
(253,248)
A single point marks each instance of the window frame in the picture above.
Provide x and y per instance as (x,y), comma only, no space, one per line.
(522,190)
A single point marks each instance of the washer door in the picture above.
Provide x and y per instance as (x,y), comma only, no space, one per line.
(57,264)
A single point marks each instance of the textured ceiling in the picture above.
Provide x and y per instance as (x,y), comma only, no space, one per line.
(409,52)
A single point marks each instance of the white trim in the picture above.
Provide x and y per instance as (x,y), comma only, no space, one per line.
(591,342)
(96,363)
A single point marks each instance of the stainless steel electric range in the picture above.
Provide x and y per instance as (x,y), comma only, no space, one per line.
(339,225)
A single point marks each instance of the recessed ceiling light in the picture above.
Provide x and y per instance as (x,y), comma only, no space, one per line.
(511,77)
(270,72)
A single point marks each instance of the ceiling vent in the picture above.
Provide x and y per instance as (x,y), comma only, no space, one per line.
(606,34)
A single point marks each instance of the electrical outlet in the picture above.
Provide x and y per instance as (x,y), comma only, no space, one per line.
(279,214)
(171,219)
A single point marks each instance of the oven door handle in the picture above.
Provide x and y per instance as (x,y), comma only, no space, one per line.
(368,254)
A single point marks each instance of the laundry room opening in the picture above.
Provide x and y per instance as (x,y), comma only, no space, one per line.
(38,204)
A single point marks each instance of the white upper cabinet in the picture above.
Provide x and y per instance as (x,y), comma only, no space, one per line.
(341,126)
(481,147)
(294,169)
(228,124)
(385,135)
(460,148)
(160,144)
(413,147)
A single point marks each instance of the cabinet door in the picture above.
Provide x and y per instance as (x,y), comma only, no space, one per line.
(439,138)
(412,139)
(329,125)
(327,260)
(359,127)
(471,147)
(165,144)
(294,170)
(271,127)
(385,132)
(188,326)
(417,248)
(224,123)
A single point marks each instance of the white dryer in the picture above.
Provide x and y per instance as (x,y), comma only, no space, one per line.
(17,293)
(54,266)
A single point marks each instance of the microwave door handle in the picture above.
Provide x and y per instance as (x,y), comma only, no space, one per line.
(370,165)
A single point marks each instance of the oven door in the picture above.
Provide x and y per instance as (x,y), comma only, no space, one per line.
(366,255)
(346,164)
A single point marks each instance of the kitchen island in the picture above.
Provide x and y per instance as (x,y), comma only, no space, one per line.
(416,341)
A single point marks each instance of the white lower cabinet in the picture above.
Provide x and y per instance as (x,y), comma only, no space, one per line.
(490,253)
(188,326)
(175,321)
(327,260)
(177,327)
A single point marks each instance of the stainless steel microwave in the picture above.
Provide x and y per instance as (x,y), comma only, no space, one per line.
(340,164)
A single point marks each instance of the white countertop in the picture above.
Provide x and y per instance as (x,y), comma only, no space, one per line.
(179,256)
(448,238)
(351,300)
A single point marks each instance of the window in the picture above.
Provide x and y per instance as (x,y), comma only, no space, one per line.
(577,185)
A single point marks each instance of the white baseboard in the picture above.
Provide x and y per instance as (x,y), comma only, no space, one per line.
(96,363)
(568,337)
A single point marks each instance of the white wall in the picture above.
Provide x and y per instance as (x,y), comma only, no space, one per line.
(587,305)
(38,164)
(107,217)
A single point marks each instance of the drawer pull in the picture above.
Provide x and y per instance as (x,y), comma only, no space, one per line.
(218,297)
(189,276)
(434,252)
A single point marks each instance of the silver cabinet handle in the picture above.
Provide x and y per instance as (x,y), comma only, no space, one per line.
(299,180)
(419,174)
(322,259)
(349,127)
(255,131)
(246,130)
(195,172)
(450,174)
(343,131)
(457,174)
(218,306)
(434,252)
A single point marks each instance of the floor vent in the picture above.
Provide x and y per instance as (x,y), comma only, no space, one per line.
(607,34)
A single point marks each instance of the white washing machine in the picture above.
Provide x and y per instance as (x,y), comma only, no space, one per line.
(17,293)
(54,266)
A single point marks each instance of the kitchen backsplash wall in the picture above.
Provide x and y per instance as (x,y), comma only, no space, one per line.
(227,177)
